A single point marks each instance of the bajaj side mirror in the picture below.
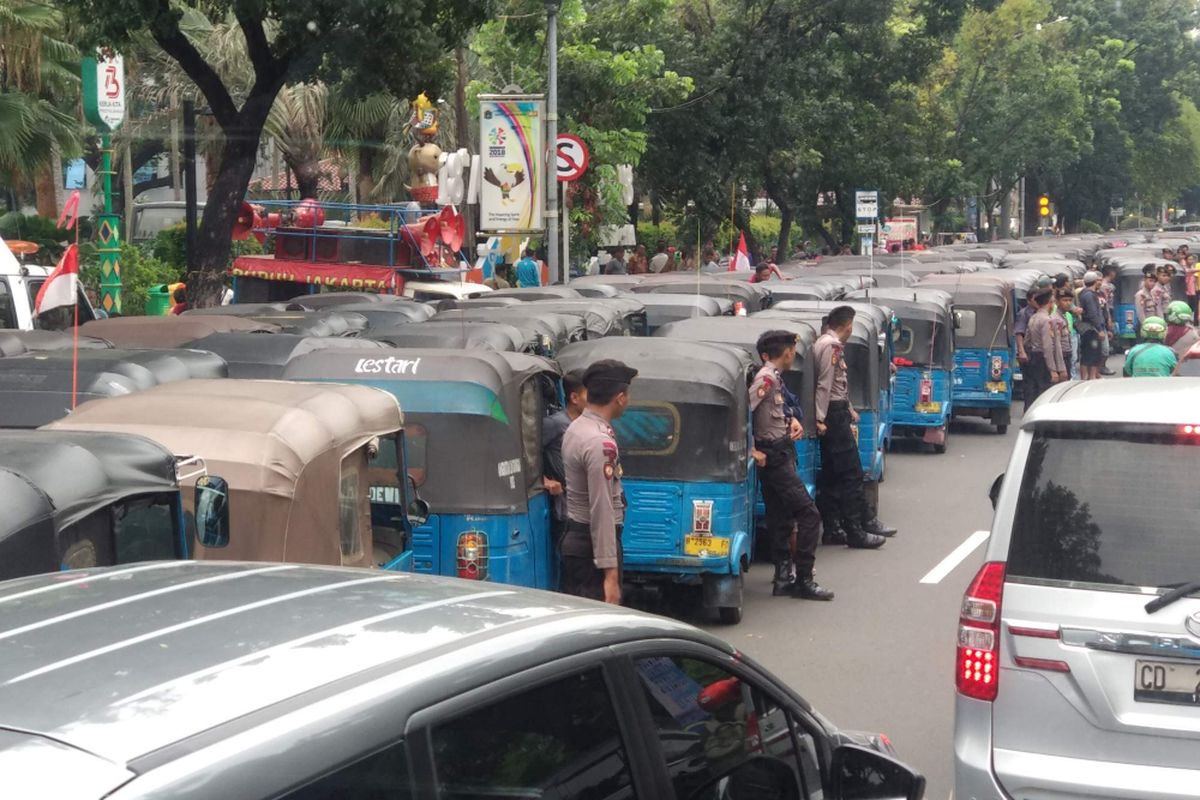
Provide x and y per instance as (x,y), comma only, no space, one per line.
(859,773)
(994,492)
(211,502)
(417,509)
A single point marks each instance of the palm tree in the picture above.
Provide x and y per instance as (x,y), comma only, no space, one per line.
(39,81)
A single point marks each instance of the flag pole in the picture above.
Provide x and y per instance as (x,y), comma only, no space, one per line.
(75,334)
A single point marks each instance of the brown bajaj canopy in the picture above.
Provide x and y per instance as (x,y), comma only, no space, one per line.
(293,454)
(171,331)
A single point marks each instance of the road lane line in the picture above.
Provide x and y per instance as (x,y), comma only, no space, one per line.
(956,557)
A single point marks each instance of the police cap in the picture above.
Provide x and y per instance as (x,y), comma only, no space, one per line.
(608,373)
(776,338)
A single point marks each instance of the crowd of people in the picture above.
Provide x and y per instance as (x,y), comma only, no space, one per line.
(1067,332)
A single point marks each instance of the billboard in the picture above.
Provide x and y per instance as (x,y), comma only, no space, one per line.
(512,189)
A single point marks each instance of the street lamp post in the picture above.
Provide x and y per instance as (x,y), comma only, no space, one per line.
(552,243)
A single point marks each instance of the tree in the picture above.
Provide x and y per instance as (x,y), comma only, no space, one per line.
(376,44)
(39,80)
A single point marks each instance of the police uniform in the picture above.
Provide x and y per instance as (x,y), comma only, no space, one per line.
(595,499)
(1045,356)
(788,502)
(840,493)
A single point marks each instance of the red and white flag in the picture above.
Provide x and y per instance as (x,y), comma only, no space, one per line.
(741,259)
(61,287)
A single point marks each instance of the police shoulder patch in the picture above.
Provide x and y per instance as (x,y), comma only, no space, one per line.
(762,391)
(608,470)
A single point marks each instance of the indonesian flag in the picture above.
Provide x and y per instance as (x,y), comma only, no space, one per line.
(741,259)
(61,287)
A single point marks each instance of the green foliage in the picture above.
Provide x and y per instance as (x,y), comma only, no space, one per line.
(649,234)
(139,274)
(1087,226)
(170,247)
(1133,221)
(39,230)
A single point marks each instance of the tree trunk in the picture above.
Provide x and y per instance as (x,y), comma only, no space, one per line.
(366,173)
(206,275)
(785,232)
(46,190)
(308,174)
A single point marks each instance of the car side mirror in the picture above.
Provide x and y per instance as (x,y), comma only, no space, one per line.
(211,501)
(859,773)
(994,492)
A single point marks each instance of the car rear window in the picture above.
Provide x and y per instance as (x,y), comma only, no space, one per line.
(1108,505)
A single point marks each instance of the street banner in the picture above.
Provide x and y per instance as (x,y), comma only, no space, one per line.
(512,189)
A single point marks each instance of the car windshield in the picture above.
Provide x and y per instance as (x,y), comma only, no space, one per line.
(1109,505)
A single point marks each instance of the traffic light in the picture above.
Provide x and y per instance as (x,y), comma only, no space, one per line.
(1044,206)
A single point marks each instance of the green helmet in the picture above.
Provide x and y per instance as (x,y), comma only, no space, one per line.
(1154,328)
(1179,313)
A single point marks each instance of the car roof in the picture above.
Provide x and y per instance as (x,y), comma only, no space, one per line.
(126,661)
(1171,401)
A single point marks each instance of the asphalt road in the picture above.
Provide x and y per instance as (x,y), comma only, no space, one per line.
(880,657)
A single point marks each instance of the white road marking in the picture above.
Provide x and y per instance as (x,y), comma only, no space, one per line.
(956,557)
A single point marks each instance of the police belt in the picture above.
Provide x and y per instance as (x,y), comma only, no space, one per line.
(766,445)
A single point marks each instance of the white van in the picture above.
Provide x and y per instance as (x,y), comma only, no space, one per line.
(426,291)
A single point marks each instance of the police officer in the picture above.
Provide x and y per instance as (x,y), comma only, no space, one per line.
(554,428)
(789,506)
(591,546)
(841,481)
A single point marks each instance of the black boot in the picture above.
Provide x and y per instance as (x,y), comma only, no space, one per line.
(783,582)
(809,589)
(859,539)
(873,525)
(832,531)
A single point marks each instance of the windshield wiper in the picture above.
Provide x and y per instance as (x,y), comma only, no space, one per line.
(1179,592)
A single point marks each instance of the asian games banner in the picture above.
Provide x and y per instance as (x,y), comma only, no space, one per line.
(512,188)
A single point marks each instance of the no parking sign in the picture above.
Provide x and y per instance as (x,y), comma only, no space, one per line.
(571,157)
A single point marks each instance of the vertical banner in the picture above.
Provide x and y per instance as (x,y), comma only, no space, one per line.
(512,187)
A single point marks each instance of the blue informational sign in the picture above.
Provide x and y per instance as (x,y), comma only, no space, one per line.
(75,174)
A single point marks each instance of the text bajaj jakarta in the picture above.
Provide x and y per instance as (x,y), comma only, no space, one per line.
(473,428)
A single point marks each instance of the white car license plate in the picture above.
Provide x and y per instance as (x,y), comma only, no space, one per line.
(1166,682)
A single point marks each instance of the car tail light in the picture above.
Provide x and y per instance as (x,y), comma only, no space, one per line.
(1130,319)
(926,390)
(902,362)
(978,662)
(473,555)
(702,516)
(997,367)
(1191,429)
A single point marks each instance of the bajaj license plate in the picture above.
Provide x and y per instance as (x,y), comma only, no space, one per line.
(1166,682)
(929,408)
(705,546)
(996,386)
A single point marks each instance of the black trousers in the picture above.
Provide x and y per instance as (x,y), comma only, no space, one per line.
(578,573)
(840,485)
(1035,378)
(788,505)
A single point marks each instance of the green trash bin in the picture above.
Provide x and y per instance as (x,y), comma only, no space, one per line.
(158,301)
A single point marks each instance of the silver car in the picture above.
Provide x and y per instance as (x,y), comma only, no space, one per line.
(251,681)
(1078,667)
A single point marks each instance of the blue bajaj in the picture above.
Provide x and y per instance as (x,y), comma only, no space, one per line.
(473,427)
(685,458)
(984,348)
(922,402)
(743,332)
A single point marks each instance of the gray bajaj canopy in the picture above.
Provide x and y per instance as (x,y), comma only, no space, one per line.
(15,343)
(685,395)
(552,331)
(455,335)
(253,355)
(755,296)
(991,307)
(600,318)
(743,332)
(386,315)
(1129,279)
(539,293)
(925,336)
(662,308)
(866,367)
(473,423)
(65,476)
(316,323)
(890,278)
(35,389)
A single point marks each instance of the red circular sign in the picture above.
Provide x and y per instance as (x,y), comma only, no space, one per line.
(571,157)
